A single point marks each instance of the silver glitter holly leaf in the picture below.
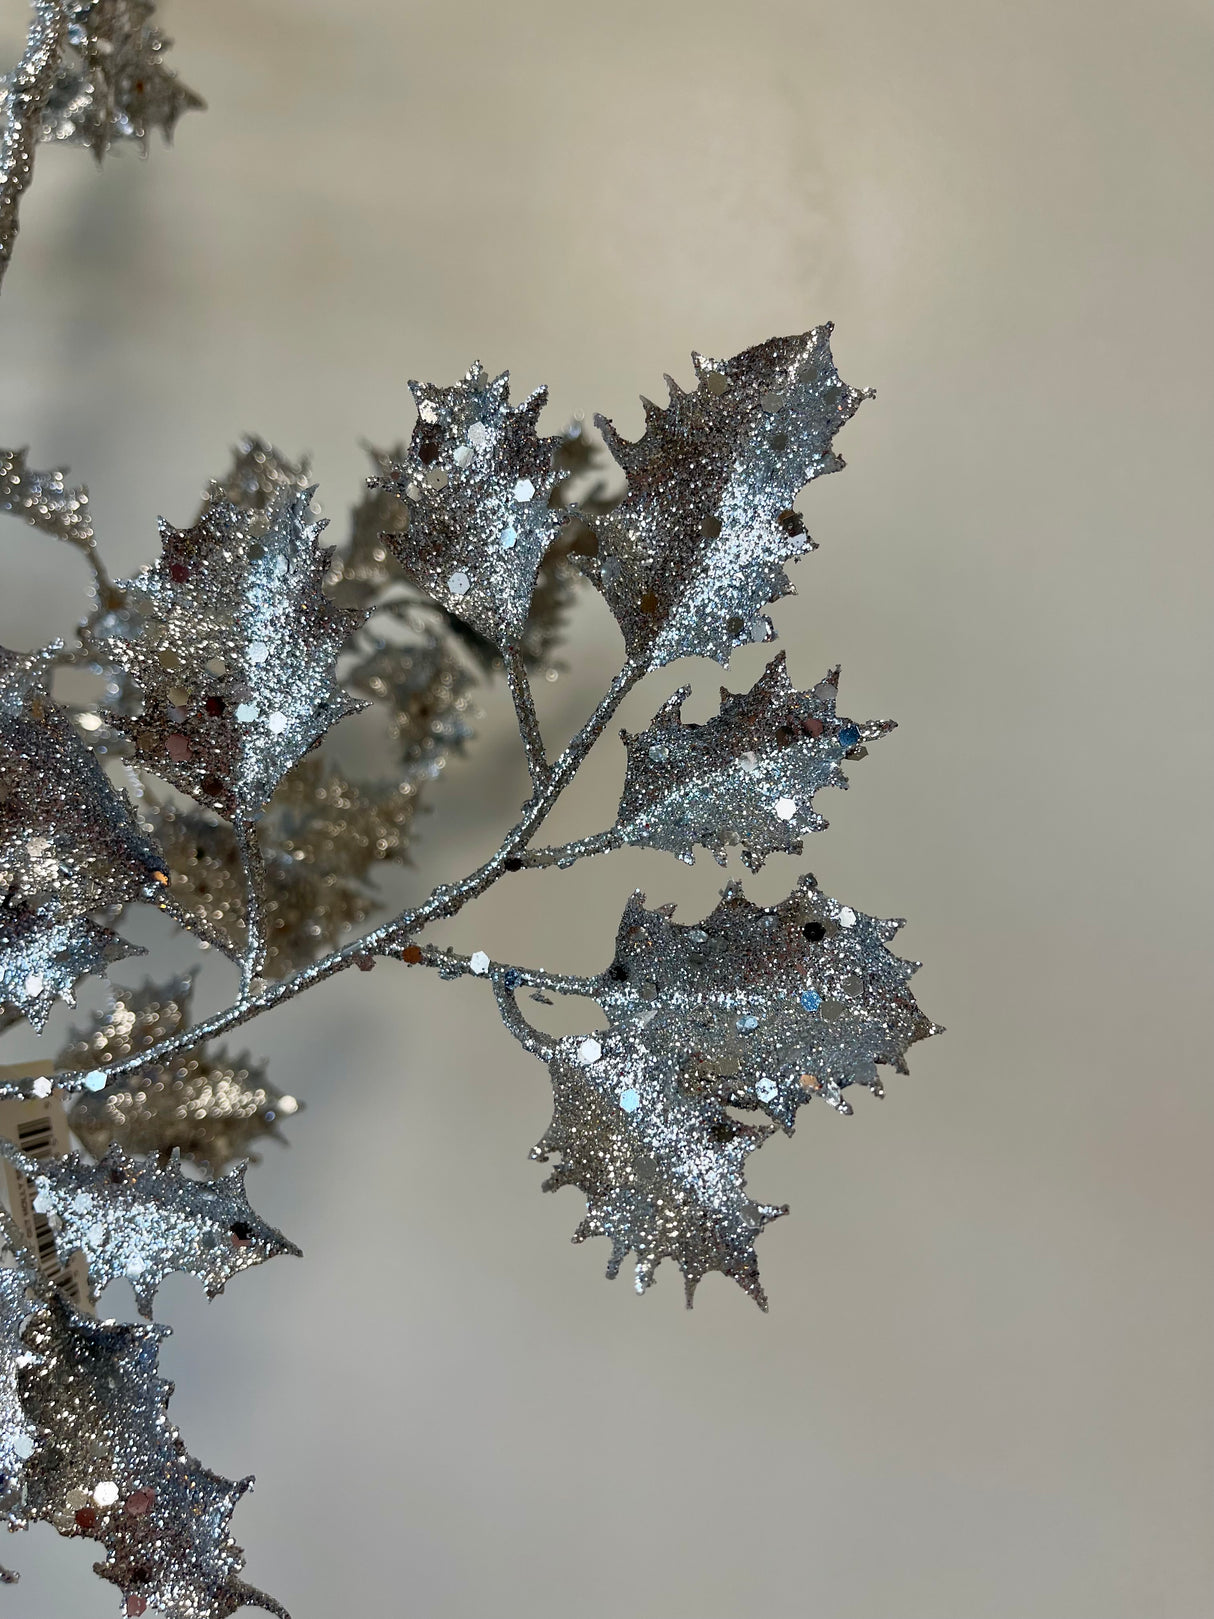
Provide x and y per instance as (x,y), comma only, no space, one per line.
(745,778)
(134,1218)
(47,502)
(694,552)
(768,1005)
(338,828)
(207,1105)
(476,483)
(321,837)
(42,959)
(112,1467)
(425,690)
(70,846)
(236,656)
(260,479)
(18,1437)
(113,84)
(661,1163)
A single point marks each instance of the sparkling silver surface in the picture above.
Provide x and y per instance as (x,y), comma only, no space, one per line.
(767,1006)
(23,97)
(476,484)
(18,1436)
(746,778)
(209,1106)
(662,1167)
(133,1218)
(321,837)
(112,84)
(694,552)
(42,960)
(111,1466)
(235,656)
(46,500)
(70,846)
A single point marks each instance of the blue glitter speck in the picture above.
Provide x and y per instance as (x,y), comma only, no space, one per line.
(848,737)
(810,1000)
(746,1024)
(512,978)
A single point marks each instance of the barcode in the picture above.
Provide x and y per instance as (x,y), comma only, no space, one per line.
(36,1138)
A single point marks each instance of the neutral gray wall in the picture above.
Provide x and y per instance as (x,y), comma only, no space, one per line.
(982,1391)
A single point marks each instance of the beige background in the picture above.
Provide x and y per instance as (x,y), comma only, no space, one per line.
(983,1391)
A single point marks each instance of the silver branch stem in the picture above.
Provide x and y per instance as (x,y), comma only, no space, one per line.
(23,101)
(564,854)
(528,720)
(392,937)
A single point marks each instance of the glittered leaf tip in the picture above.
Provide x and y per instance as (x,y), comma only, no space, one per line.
(661,1166)
(476,484)
(694,552)
(143,1221)
(111,1466)
(235,655)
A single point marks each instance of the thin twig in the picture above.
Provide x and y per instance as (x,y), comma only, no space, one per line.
(23,102)
(528,720)
(564,854)
(393,936)
(252,864)
(528,1036)
(450,964)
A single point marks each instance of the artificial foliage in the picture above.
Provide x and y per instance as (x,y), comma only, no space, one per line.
(200,778)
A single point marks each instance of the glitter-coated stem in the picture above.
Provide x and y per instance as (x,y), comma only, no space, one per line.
(564,854)
(253,865)
(390,938)
(23,102)
(528,720)
(450,964)
(528,1036)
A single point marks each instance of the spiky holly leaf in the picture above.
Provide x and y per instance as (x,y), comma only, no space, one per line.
(476,483)
(113,84)
(236,656)
(111,1466)
(694,552)
(207,1105)
(661,1164)
(747,777)
(17,1435)
(70,846)
(260,479)
(46,501)
(768,1005)
(321,836)
(43,959)
(425,690)
(135,1218)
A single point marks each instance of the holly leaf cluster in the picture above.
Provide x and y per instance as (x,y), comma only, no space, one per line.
(228,663)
